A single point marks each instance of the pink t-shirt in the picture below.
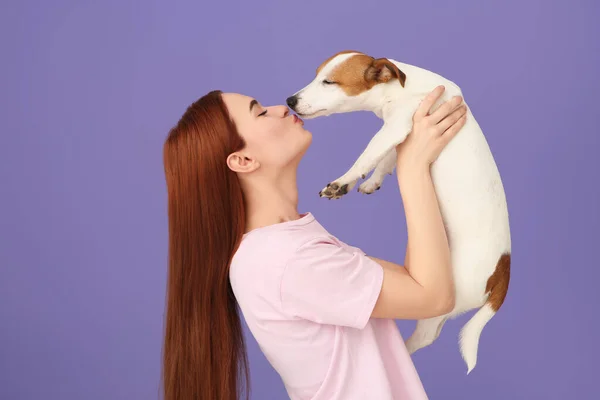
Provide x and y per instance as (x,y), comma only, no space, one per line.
(307,298)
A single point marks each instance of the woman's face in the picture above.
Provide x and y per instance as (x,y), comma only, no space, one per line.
(275,139)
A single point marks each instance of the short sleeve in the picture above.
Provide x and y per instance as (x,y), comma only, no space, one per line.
(329,284)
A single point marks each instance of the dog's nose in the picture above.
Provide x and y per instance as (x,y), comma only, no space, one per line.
(292,101)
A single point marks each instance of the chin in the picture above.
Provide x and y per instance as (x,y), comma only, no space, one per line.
(313,115)
(306,144)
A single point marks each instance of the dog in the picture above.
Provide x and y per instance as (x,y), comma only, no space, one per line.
(465,175)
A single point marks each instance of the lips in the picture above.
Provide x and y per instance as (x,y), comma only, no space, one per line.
(298,120)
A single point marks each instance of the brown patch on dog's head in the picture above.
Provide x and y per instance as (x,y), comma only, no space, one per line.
(324,63)
(497,284)
(361,72)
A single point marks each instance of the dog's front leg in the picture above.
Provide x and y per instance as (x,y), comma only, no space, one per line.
(389,136)
(385,167)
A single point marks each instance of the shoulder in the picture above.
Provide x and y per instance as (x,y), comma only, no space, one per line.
(267,251)
(275,243)
(264,252)
(258,266)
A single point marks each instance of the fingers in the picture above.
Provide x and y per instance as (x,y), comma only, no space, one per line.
(451,119)
(449,134)
(445,109)
(428,102)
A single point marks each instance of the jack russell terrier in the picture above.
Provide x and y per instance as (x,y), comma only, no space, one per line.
(465,175)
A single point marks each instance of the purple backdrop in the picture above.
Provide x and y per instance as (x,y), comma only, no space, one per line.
(89,92)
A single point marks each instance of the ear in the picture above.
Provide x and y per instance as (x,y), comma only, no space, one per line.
(383,70)
(238,162)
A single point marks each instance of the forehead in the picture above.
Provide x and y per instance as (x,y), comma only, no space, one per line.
(238,105)
(347,71)
(345,62)
(236,101)
(333,57)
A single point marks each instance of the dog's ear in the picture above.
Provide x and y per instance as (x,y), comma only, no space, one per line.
(383,70)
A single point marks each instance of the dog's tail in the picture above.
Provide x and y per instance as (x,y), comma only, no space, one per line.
(497,287)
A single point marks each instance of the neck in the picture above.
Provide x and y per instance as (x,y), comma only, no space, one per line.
(381,96)
(271,201)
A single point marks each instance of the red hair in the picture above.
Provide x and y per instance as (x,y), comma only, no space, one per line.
(204,354)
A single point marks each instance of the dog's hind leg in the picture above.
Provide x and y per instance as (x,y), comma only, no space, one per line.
(385,167)
(426,332)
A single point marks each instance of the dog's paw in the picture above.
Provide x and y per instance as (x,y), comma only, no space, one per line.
(370,185)
(336,189)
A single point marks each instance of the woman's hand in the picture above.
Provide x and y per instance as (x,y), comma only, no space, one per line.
(431,132)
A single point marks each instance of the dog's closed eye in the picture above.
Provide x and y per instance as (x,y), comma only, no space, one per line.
(327,82)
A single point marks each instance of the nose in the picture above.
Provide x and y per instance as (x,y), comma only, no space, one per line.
(280,111)
(292,101)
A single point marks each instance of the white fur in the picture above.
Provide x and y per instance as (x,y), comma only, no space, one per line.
(465,175)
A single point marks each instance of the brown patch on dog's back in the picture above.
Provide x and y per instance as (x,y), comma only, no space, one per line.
(324,63)
(497,284)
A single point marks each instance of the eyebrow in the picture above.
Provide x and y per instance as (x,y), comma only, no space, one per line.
(252,104)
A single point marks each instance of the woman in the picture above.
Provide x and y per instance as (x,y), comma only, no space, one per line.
(322,311)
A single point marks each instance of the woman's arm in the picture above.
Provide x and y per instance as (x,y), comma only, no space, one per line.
(424,288)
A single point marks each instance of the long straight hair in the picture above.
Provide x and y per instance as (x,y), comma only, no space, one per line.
(204,354)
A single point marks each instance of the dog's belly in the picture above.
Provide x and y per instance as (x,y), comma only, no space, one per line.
(474,209)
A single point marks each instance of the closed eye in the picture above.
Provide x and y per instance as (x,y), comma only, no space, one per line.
(327,82)
(262,113)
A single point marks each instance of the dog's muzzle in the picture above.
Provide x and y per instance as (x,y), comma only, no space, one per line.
(292,102)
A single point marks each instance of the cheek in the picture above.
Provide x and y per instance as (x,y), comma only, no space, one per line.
(266,145)
(327,97)
(283,146)
(314,95)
